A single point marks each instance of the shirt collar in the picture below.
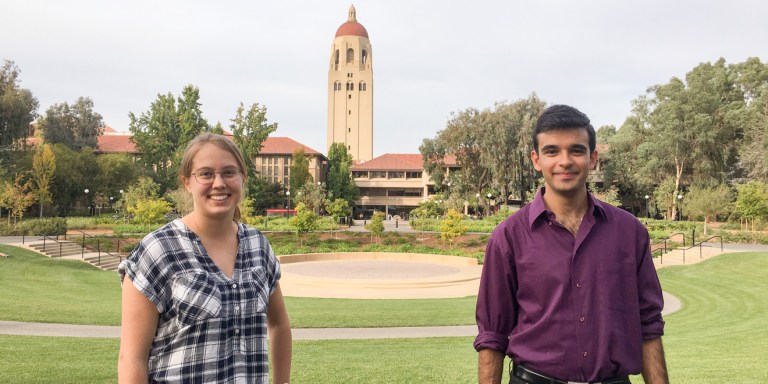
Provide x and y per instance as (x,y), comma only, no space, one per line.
(539,209)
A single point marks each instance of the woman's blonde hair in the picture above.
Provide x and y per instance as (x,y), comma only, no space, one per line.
(220,141)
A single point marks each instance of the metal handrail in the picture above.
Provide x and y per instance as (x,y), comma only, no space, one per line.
(700,246)
(666,248)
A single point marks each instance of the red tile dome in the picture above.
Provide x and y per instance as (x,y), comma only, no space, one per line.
(352,28)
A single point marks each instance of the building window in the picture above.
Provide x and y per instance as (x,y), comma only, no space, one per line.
(396,175)
(379,174)
(350,112)
(361,86)
(360,174)
(350,129)
(350,55)
(336,57)
(350,96)
(364,57)
(413,175)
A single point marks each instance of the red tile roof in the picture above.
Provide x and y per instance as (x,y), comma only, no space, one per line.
(116,144)
(398,162)
(284,146)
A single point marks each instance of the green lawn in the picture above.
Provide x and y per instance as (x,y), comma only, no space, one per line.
(719,336)
(40,289)
(349,313)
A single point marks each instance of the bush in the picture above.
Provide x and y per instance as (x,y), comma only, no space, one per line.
(150,211)
(43,227)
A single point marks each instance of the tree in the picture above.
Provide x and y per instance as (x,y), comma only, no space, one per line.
(685,129)
(16,197)
(264,194)
(505,139)
(75,171)
(18,107)
(76,126)
(304,221)
(752,201)
(116,172)
(43,167)
(144,189)
(338,208)
(312,195)
(462,138)
(162,133)
(339,180)
(708,202)
(249,130)
(299,170)
(452,226)
(376,226)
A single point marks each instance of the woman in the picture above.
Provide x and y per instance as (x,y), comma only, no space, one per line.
(200,293)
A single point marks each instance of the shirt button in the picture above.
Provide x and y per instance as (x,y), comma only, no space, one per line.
(238,331)
(578,285)
(237,309)
(585,354)
(234,286)
(581,319)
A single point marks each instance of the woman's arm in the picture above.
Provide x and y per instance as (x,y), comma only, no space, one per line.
(280,339)
(138,327)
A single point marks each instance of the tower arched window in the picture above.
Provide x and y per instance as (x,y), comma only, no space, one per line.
(364,57)
(336,57)
(361,86)
(350,55)
(350,86)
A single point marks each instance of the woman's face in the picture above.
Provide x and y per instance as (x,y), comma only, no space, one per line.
(216,182)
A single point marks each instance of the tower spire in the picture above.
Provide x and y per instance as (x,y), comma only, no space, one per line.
(352,13)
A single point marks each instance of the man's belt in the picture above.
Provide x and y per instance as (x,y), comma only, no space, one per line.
(537,378)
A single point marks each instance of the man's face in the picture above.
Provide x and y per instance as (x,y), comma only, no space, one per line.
(565,160)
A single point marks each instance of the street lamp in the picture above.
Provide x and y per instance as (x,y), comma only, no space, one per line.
(680,206)
(489,204)
(288,204)
(86,201)
(647,209)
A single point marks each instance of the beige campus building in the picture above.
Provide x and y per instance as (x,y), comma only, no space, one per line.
(350,90)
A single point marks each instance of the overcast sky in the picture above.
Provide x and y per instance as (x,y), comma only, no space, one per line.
(429,58)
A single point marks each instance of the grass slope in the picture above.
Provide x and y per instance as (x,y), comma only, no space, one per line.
(36,288)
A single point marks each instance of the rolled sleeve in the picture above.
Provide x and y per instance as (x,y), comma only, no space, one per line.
(496,312)
(651,299)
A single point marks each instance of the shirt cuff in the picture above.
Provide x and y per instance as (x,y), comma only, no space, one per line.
(653,330)
(491,340)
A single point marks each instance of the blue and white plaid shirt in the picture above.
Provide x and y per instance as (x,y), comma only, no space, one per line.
(212,328)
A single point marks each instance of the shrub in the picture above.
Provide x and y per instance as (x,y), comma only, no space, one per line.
(150,211)
(43,227)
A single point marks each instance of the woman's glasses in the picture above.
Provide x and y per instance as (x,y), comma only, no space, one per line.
(206,176)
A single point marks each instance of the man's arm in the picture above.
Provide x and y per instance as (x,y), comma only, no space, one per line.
(654,364)
(489,366)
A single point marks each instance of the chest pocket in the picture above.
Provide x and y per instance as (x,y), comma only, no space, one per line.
(256,287)
(195,297)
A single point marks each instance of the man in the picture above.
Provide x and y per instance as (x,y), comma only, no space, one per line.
(568,288)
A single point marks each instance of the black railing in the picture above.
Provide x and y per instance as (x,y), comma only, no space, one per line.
(665,248)
(700,245)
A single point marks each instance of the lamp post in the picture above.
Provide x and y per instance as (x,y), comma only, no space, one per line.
(288,202)
(489,204)
(680,206)
(477,203)
(87,205)
(647,209)
(122,205)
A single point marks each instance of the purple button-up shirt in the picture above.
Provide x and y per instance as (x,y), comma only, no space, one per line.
(574,308)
